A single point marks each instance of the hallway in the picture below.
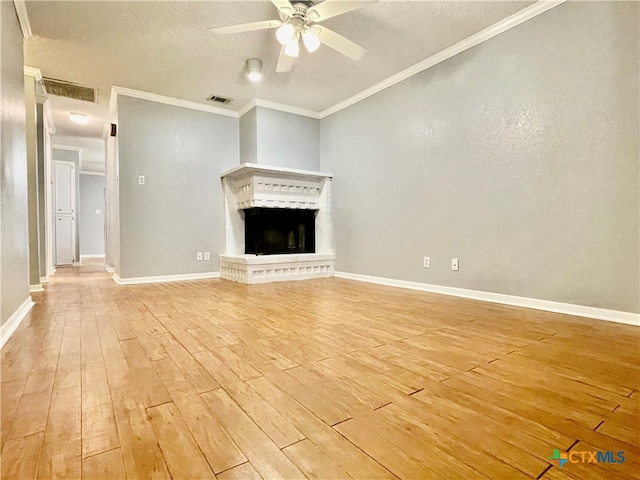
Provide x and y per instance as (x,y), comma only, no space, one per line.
(326,378)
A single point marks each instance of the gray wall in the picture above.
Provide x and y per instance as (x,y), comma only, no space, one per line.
(519,157)
(32,178)
(112,208)
(91,223)
(178,212)
(248,137)
(287,140)
(14,229)
(279,139)
(42,247)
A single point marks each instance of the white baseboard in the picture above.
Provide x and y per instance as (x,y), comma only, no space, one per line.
(537,304)
(109,269)
(13,322)
(36,288)
(44,280)
(98,255)
(165,278)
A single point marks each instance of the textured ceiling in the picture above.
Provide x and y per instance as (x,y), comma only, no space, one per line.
(163,47)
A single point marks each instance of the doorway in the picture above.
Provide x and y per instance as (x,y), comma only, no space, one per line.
(64,212)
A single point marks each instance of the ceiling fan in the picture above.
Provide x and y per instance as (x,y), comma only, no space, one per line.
(298,20)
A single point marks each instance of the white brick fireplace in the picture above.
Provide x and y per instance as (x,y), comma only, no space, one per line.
(259,186)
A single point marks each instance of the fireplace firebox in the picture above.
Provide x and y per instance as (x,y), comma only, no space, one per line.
(270,231)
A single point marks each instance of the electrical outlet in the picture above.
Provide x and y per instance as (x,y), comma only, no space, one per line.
(207,256)
(427,262)
(454,264)
(199,256)
(141,180)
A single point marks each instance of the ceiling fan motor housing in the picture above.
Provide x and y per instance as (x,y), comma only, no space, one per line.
(299,12)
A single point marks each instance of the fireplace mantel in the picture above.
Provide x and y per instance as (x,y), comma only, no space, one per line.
(261,186)
(245,169)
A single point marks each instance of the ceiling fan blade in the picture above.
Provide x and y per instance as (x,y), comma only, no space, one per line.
(331,8)
(340,44)
(284,6)
(285,62)
(244,27)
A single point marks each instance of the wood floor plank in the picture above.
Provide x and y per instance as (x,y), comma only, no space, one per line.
(241,472)
(201,380)
(345,454)
(139,446)
(20,457)
(60,460)
(218,370)
(184,458)
(386,453)
(216,444)
(313,462)
(99,430)
(31,414)
(149,384)
(10,393)
(279,430)
(241,368)
(320,378)
(454,439)
(263,454)
(104,466)
(321,406)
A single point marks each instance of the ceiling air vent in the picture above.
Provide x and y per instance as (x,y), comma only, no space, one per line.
(215,98)
(69,90)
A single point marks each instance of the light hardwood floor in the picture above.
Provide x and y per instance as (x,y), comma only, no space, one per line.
(324,379)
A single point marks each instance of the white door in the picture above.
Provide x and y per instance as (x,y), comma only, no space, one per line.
(64,201)
(63,188)
(64,240)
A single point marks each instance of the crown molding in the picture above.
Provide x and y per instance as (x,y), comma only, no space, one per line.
(281,107)
(496,29)
(33,72)
(502,26)
(247,107)
(286,108)
(23,18)
(176,102)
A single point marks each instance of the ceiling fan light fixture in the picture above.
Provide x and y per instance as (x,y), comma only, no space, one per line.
(80,118)
(285,33)
(310,40)
(292,48)
(254,70)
